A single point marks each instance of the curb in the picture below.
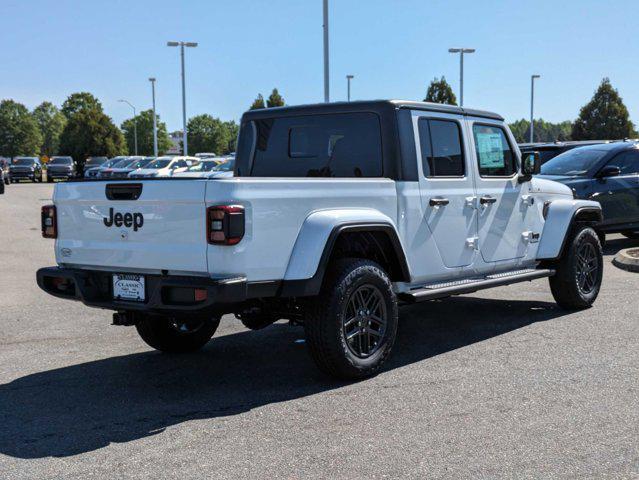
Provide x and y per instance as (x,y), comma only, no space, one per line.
(625,261)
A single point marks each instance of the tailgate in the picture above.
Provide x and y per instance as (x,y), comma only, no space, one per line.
(142,226)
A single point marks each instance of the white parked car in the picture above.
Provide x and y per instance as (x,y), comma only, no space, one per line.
(338,213)
(209,168)
(163,167)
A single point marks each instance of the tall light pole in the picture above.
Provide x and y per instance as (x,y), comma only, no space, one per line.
(135,125)
(348,81)
(327,96)
(155,127)
(182,45)
(461,52)
(532,102)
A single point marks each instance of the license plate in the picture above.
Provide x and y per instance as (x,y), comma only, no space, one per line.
(128,287)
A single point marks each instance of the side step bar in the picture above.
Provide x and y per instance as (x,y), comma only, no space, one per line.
(469,286)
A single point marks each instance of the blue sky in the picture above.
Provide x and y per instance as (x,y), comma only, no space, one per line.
(394,48)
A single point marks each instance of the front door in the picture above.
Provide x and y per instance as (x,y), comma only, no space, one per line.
(503,202)
(619,196)
(446,186)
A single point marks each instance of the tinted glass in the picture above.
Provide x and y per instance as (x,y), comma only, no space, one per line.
(24,161)
(121,163)
(225,167)
(334,145)
(61,161)
(575,162)
(494,155)
(628,162)
(95,161)
(441,148)
(156,164)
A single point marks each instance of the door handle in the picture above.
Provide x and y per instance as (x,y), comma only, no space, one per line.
(487,199)
(438,202)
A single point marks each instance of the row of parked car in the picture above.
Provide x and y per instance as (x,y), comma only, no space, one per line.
(166,166)
(64,168)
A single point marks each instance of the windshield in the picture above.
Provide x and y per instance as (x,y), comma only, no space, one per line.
(94,162)
(159,163)
(225,167)
(203,166)
(23,161)
(138,163)
(122,163)
(574,163)
(61,161)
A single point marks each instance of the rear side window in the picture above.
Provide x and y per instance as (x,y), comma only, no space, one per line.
(494,155)
(334,145)
(442,151)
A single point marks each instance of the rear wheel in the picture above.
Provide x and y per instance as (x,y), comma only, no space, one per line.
(351,326)
(173,335)
(579,272)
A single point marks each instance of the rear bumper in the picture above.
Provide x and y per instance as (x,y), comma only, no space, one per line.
(95,289)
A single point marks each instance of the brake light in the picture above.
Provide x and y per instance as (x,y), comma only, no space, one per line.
(49,222)
(225,224)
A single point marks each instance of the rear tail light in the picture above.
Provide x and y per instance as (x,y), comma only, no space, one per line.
(225,224)
(49,222)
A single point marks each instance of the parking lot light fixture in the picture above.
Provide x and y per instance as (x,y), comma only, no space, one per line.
(135,125)
(348,81)
(532,100)
(461,52)
(182,45)
(155,128)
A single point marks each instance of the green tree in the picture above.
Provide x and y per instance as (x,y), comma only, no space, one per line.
(604,117)
(440,91)
(51,123)
(79,101)
(91,132)
(275,99)
(144,122)
(233,130)
(208,134)
(544,131)
(258,103)
(19,132)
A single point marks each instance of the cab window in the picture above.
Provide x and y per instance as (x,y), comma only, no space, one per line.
(441,148)
(495,158)
(628,162)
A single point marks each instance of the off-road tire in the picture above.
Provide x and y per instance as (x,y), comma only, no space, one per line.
(565,284)
(159,333)
(324,317)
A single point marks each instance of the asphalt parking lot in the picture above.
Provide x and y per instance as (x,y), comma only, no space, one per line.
(500,384)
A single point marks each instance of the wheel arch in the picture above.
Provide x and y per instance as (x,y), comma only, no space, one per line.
(561,218)
(319,244)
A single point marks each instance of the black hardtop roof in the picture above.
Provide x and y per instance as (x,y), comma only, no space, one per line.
(379,106)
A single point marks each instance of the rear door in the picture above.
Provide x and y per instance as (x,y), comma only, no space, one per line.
(140,227)
(446,186)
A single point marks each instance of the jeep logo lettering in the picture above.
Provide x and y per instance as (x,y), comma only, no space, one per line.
(135,220)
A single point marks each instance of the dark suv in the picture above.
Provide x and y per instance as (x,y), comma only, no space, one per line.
(548,151)
(60,168)
(27,168)
(607,173)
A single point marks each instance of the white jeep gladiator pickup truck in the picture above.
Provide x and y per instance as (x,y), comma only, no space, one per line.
(337,214)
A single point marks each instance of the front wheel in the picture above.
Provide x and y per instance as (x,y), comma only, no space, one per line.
(351,326)
(173,335)
(579,271)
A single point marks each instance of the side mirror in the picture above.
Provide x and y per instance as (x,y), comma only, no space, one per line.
(530,165)
(609,171)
